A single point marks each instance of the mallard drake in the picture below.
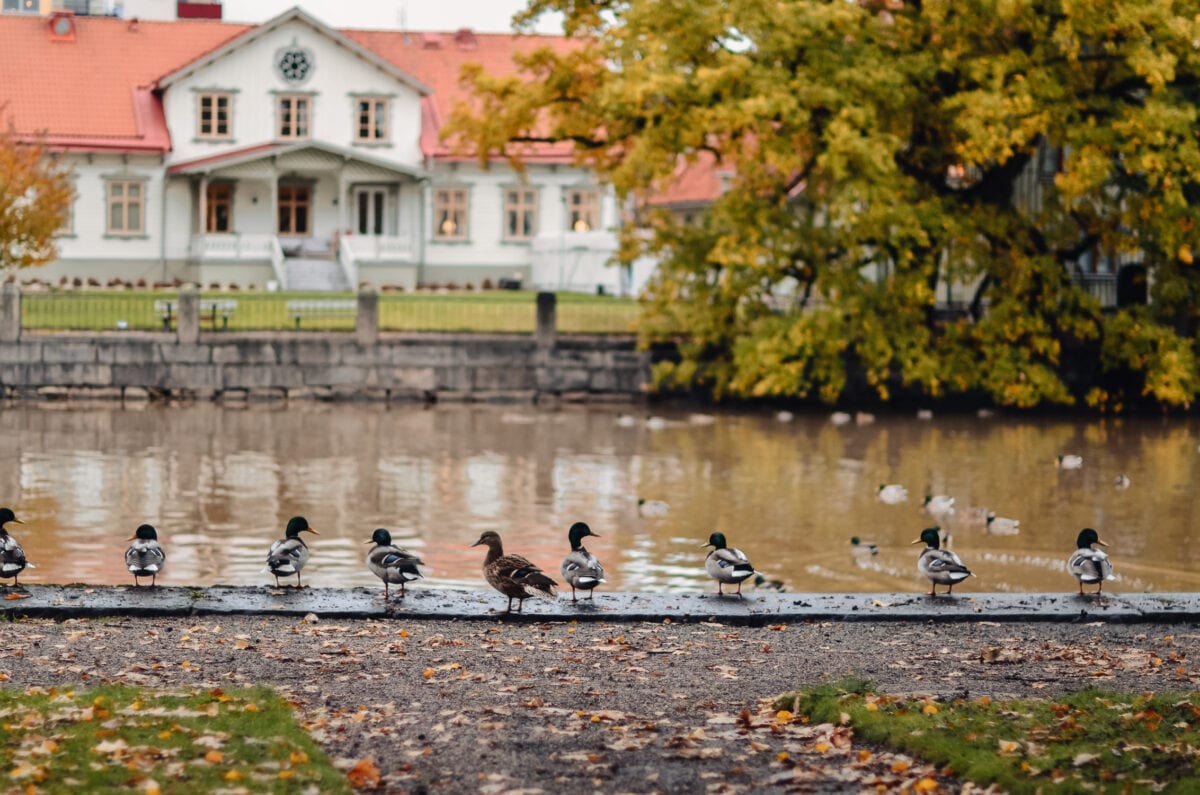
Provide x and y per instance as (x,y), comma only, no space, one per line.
(580,568)
(941,566)
(145,556)
(862,549)
(288,555)
(512,575)
(1090,565)
(938,505)
(1069,462)
(652,508)
(767,584)
(726,564)
(1001,525)
(12,557)
(390,563)
(1121,481)
(892,493)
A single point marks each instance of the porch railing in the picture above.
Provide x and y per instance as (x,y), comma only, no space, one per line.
(277,263)
(233,246)
(380,248)
(345,256)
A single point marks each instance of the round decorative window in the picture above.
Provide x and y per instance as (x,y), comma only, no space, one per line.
(295,64)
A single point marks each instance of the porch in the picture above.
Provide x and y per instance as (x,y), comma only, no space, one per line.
(307,216)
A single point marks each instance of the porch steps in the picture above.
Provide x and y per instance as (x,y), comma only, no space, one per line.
(315,275)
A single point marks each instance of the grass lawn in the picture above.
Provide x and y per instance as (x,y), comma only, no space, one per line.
(122,738)
(491,311)
(1093,741)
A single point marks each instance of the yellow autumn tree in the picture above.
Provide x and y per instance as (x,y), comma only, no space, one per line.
(35,193)
(885,156)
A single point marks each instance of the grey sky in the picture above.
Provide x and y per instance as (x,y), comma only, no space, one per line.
(481,15)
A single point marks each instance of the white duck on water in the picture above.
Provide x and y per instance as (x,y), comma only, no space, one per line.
(891,493)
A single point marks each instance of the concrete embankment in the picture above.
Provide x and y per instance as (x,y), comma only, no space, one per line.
(758,609)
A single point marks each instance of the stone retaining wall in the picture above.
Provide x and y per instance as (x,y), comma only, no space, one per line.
(319,365)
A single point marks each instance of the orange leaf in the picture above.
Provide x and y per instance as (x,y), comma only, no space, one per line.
(925,785)
(215,757)
(899,767)
(364,774)
(15,595)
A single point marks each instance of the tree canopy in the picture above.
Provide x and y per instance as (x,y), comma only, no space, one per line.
(881,155)
(35,194)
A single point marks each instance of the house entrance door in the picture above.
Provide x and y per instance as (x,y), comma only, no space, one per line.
(370,208)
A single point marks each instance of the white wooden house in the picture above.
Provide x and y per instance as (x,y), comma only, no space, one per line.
(287,154)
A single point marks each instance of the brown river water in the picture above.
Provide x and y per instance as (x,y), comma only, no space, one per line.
(220,483)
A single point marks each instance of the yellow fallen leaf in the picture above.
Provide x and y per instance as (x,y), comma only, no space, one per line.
(232,775)
(984,701)
(215,757)
(298,758)
(150,787)
(899,767)
(428,673)
(871,706)
(822,747)
(403,633)
(925,785)
(15,595)
(250,708)
(783,716)
(783,756)
(1009,746)
(287,774)
(864,755)
(364,774)
(930,709)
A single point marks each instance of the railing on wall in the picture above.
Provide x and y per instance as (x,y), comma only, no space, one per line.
(189,311)
(346,258)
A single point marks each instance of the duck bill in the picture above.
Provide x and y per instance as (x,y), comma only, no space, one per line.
(1101,543)
(311,530)
(477,543)
(369,541)
(918,541)
(131,538)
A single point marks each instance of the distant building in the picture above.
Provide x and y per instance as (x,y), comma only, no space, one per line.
(287,153)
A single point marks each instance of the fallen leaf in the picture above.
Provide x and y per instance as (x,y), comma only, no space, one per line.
(364,774)
(1084,759)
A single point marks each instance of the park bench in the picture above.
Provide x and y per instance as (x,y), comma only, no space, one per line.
(321,307)
(210,309)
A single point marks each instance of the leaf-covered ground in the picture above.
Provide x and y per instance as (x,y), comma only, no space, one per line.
(497,707)
(1093,740)
(113,738)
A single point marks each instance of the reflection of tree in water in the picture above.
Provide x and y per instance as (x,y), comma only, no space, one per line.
(220,483)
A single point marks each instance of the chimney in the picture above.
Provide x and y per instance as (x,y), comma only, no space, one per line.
(431,41)
(465,39)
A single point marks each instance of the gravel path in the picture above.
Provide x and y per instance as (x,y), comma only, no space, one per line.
(477,706)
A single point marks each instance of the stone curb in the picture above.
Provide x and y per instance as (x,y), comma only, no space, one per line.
(756,609)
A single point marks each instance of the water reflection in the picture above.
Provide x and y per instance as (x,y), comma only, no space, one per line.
(220,483)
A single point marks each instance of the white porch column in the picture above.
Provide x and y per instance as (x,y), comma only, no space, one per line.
(202,206)
(343,201)
(273,179)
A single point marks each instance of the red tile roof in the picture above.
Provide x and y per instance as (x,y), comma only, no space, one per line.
(93,92)
(437,60)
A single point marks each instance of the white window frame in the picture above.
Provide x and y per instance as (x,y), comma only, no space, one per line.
(116,194)
(582,209)
(299,126)
(215,98)
(376,118)
(451,213)
(520,211)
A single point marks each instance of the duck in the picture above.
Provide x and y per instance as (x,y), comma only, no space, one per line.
(652,508)
(12,557)
(1069,462)
(938,505)
(840,417)
(1001,525)
(145,556)
(725,564)
(892,493)
(580,568)
(1090,565)
(288,555)
(941,566)
(768,584)
(512,575)
(390,563)
(862,549)
(1121,481)
(784,416)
